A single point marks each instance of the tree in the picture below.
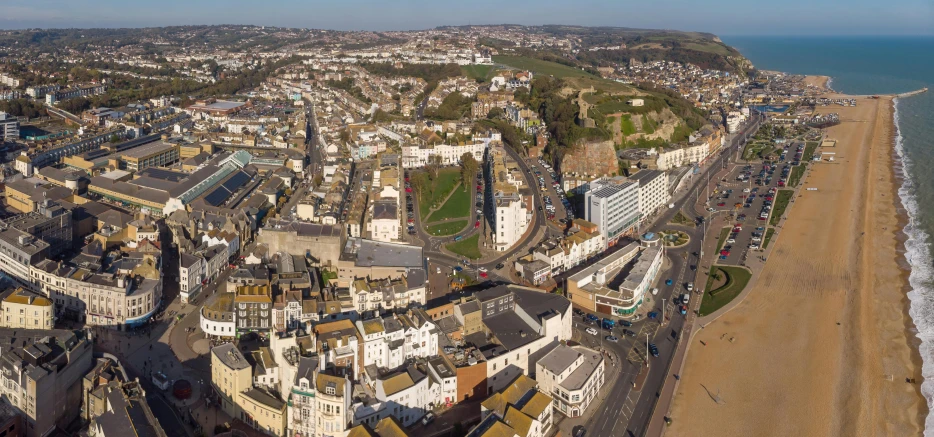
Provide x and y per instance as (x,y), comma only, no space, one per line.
(469,167)
(433,166)
(495,112)
(419,182)
(345,135)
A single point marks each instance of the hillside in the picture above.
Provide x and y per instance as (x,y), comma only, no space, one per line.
(643,45)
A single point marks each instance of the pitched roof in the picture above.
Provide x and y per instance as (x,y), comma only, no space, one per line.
(397,383)
(518,421)
(324,380)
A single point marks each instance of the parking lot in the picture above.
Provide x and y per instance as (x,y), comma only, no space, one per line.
(745,197)
(556,207)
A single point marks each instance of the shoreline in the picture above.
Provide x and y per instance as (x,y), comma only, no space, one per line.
(822,82)
(823,336)
(901,180)
(898,176)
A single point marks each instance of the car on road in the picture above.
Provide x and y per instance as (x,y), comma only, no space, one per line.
(653,350)
(611,338)
(591,331)
(482,269)
(501,265)
(721,204)
(592,318)
(629,333)
(458,268)
(669,282)
(476,225)
(625,323)
(430,417)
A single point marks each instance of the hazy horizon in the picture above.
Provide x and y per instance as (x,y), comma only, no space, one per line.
(720,17)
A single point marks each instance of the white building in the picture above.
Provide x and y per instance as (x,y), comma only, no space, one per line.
(510,214)
(691,154)
(9,127)
(612,205)
(417,156)
(523,321)
(389,341)
(572,376)
(653,191)
(191,273)
(405,394)
(384,224)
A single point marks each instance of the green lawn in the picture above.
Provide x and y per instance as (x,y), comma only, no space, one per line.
(467,247)
(626,125)
(458,205)
(480,72)
(724,233)
(736,280)
(781,203)
(447,228)
(809,148)
(681,219)
(768,237)
(796,173)
(541,67)
(443,185)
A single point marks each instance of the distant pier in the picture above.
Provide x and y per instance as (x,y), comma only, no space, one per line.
(912,93)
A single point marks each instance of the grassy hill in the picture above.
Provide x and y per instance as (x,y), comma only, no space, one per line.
(574,77)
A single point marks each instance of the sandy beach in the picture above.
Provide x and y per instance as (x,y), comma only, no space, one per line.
(818,81)
(823,344)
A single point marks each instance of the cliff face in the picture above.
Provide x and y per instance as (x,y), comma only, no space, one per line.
(591,159)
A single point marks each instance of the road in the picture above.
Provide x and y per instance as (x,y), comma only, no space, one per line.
(432,245)
(628,412)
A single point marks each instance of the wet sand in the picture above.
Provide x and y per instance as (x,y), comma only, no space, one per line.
(822,345)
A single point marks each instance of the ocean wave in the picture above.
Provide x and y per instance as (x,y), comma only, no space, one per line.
(921,296)
(829,82)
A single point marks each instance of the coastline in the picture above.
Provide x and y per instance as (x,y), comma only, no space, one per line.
(822,82)
(825,337)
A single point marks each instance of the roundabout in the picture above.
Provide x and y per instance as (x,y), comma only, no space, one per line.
(672,238)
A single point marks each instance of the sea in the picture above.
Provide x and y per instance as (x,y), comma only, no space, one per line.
(882,65)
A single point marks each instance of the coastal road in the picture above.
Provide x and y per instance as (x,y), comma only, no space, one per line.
(633,413)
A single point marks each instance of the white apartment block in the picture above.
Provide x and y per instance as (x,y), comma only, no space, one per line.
(417,156)
(511,219)
(572,376)
(653,191)
(612,205)
(9,127)
(571,251)
(692,154)
(389,341)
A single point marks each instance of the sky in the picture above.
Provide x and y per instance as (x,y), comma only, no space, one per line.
(722,17)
